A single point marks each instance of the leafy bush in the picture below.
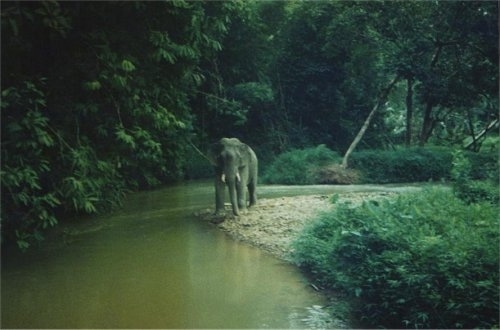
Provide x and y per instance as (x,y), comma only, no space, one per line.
(41,174)
(27,203)
(422,260)
(483,165)
(321,165)
(470,190)
(403,165)
(77,134)
(298,166)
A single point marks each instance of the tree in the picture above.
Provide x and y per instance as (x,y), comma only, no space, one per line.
(442,54)
(381,100)
(99,105)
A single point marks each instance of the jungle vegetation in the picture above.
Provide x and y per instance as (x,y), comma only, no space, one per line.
(102,98)
(420,260)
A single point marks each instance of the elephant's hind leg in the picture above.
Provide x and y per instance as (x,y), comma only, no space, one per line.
(252,194)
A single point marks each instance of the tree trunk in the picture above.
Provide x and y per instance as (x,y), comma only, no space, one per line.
(427,124)
(409,111)
(359,136)
(481,134)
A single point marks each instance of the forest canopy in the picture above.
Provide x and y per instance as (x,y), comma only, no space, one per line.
(99,98)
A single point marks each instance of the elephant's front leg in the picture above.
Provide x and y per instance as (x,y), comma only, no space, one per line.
(242,196)
(219,195)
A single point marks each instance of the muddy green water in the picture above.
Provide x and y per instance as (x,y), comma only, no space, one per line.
(154,265)
(151,265)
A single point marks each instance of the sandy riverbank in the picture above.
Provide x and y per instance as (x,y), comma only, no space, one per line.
(274,223)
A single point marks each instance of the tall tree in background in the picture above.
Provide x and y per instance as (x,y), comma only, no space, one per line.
(447,54)
(328,71)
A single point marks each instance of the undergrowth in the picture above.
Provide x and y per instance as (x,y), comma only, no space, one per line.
(321,165)
(421,260)
(473,185)
(403,164)
(298,166)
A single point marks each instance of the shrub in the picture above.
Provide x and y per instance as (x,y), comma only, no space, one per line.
(297,166)
(466,187)
(42,175)
(422,260)
(403,165)
(321,165)
(483,165)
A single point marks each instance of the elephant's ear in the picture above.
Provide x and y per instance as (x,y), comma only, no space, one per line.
(213,153)
(244,154)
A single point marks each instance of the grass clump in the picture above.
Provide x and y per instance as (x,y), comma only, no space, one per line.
(421,260)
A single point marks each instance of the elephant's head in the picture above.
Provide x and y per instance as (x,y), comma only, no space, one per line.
(228,155)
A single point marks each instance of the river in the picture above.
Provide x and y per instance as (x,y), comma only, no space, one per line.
(152,264)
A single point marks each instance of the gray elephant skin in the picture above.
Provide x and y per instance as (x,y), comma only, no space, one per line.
(236,166)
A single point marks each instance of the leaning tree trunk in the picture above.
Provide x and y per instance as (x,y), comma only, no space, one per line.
(380,102)
(481,135)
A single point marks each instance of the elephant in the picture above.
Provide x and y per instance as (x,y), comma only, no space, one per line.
(236,166)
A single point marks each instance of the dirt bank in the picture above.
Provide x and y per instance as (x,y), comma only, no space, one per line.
(274,223)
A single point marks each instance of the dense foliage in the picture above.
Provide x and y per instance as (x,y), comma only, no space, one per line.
(99,98)
(93,105)
(422,260)
(403,165)
(417,164)
(298,166)
(473,183)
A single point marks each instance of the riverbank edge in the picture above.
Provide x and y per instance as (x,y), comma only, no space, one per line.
(274,223)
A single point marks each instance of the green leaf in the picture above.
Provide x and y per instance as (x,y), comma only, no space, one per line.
(89,206)
(92,85)
(119,81)
(126,138)
(22,244)
(127,66)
